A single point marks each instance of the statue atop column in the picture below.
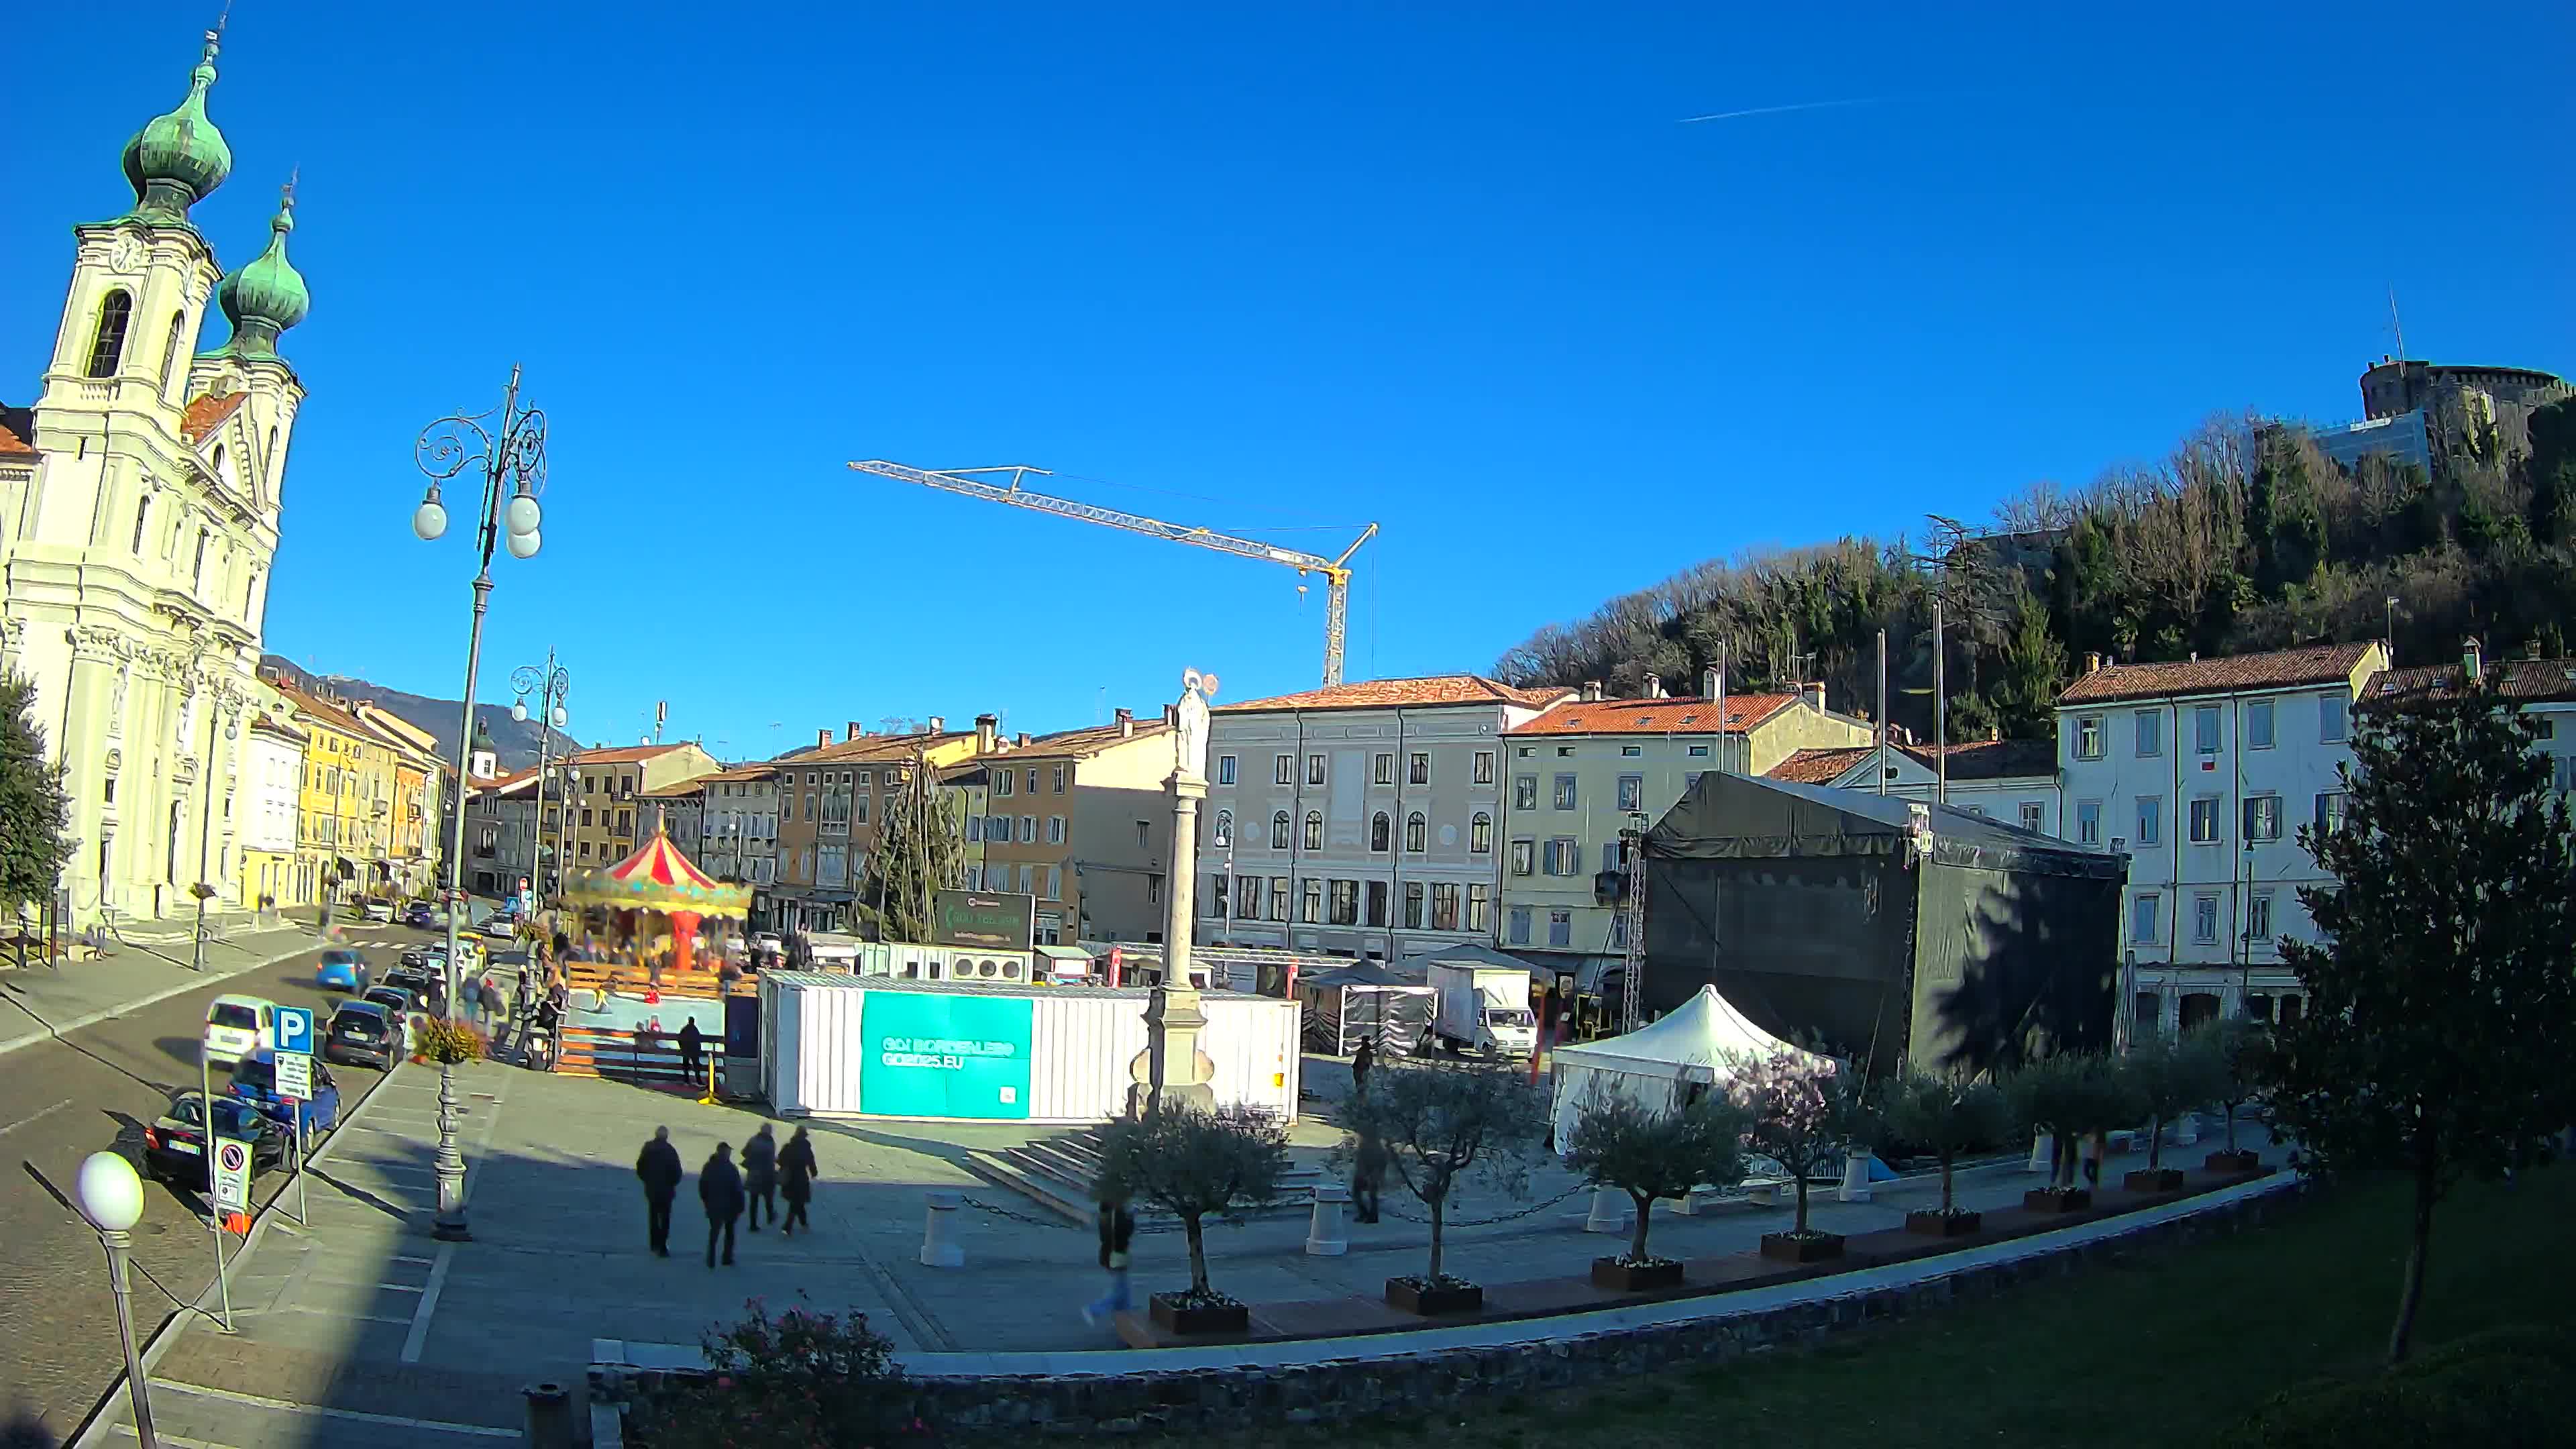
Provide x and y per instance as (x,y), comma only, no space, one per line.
(1173,1071)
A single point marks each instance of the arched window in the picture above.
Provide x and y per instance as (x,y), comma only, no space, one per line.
(107,345)
(1380,831)
(1279,831)
(219,462)
(1416,832)
(197,575)
(142,516)
(1225,827)
(1314,830)
(1480,834)
(268,460)
(170,350)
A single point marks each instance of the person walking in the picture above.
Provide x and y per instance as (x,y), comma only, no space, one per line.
(1117,1228)
(1362,1063)
(1368,1173)
(720,1193)
(492,1003)
(658,1165)
(796,1174)
(760,1175)
(692,1050)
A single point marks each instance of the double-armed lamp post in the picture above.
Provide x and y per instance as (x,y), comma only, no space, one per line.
(505,452)
(549,685)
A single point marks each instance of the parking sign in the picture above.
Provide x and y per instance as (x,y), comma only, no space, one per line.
(295,1076)
(295,1030)
(232,1175)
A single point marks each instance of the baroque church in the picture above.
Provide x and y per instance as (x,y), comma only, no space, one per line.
(139,499)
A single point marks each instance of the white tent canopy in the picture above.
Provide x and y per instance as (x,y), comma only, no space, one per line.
(1695,1044)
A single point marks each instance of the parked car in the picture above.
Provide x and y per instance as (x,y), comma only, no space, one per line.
(366,1034)
(255,1082)
(380,911)
(417,956)
(411,979)
(420,914)
(174,1147)
(237,1026)
(501,925)
(401,1005)
(341,970)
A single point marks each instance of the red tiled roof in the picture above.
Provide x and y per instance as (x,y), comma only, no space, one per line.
(205,414)
(1434,689)
(1673,715)
(1819,767)
(871,747)
(1989,759)
(1084,742)
(2280,669)
(621,755)
(13,446)
(2530,680)
(331,714)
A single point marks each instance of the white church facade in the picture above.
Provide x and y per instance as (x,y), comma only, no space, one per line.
(139,505)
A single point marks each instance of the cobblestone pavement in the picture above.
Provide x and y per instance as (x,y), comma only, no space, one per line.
(98,1086)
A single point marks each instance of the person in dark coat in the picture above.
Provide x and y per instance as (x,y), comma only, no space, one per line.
(1368,1172)
(1361,1064)
(692,1049)
(720,1193)
(796,1174)
(760,1174)
(492,1003)
(658,1165)
(1117,1228)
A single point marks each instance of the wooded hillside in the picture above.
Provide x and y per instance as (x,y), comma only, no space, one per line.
(2246,538)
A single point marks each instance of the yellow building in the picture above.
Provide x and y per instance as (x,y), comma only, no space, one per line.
(346,806)
(269,820)
(609,819)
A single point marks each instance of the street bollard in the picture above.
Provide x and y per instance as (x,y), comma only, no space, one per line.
(1609,1211)
(939,1232)
(549,1423)
(1855,1186)
(2186,1128)
(1324,1238)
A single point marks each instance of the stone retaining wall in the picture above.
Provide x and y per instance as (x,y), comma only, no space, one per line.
(1393,1380)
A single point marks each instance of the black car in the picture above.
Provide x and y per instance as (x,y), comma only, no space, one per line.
(363,1033)
(411,979)
(174,1148)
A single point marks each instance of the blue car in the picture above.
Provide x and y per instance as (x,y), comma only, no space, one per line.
(255,1082)
(341,970)
(420,915)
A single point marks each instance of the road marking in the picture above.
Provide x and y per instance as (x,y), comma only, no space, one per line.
(419,1335)
(258,1401)
(36,1117)
(321,1313)
(405,1258)
(173,1440)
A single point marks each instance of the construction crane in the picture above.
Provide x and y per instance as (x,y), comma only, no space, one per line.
(1336,571)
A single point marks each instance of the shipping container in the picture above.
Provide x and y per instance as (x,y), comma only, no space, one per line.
(836,1045)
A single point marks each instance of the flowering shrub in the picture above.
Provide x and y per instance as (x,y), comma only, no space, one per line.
(800,1378)
(1801,1117)
(441,1040)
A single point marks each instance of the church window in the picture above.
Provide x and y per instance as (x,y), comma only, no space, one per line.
(219,462)
(170,349)
(142,516)
(197,576)
(107,347)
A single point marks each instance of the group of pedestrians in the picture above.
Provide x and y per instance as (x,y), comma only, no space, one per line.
(767,1173)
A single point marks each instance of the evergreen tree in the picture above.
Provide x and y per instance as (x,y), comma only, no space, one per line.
(34,811)
(2441,1011)
(2034,670)
(2551,469)
(917,853)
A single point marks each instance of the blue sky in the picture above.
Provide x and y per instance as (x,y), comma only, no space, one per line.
(1457,269)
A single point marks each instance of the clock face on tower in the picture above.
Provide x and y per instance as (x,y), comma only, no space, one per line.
(127,253)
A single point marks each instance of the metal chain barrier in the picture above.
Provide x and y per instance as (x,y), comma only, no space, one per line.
(1141,1228)
(1447,1223)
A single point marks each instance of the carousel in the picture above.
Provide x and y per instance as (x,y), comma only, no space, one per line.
(652,907)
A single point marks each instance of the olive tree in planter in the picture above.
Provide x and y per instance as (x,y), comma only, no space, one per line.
(1803,1114)
(1619,1142)
(2237,1051)
(1195,1165)
(1441,1126)
(2070,1096)
(2172,1075)
(1946,1116)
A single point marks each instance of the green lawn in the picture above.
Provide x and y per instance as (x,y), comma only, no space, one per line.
(2168,1350)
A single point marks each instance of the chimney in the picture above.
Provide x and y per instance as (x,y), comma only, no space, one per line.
(822,738)
(2092,661)
(1126,724)
(2473,660)
(1815,694)
(1172,716)
(1654,685)
(987,726)
(854,732)
(1023,741)
(939,724)
(1591,692)
(1710,682)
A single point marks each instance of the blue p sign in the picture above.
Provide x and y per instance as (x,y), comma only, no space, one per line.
(295,1030)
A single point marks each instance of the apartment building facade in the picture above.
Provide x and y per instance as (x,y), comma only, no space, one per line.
(273,768)
(345,808)
(1583,771)
(1082,820)
(2202,772)
(830,801)
(2545,689)
(607,818)
(2011,781)
(1360,819)
(738,831)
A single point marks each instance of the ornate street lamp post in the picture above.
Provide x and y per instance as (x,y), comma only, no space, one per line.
(508,449)
(549,685)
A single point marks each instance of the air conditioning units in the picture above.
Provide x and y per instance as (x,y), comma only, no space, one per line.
(908,961)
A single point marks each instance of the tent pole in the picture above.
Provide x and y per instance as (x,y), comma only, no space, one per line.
(1882,711)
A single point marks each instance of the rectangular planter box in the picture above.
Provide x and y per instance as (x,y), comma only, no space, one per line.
(1782,1248)
(2240,1160)
(1617,1277)
(1934,1223)
(1432,1302)
(2153,1179)
(2043,1200)
(1171,1317)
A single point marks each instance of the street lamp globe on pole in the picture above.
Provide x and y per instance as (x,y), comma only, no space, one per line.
(505,452)
(111,1197)
(549,684)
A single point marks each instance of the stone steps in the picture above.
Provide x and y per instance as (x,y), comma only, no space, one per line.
(1058,1174)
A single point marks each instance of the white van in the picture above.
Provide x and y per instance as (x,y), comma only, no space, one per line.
(237,1026)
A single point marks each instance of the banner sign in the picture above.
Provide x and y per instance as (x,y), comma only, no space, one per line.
(945,1056)
(991,920)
